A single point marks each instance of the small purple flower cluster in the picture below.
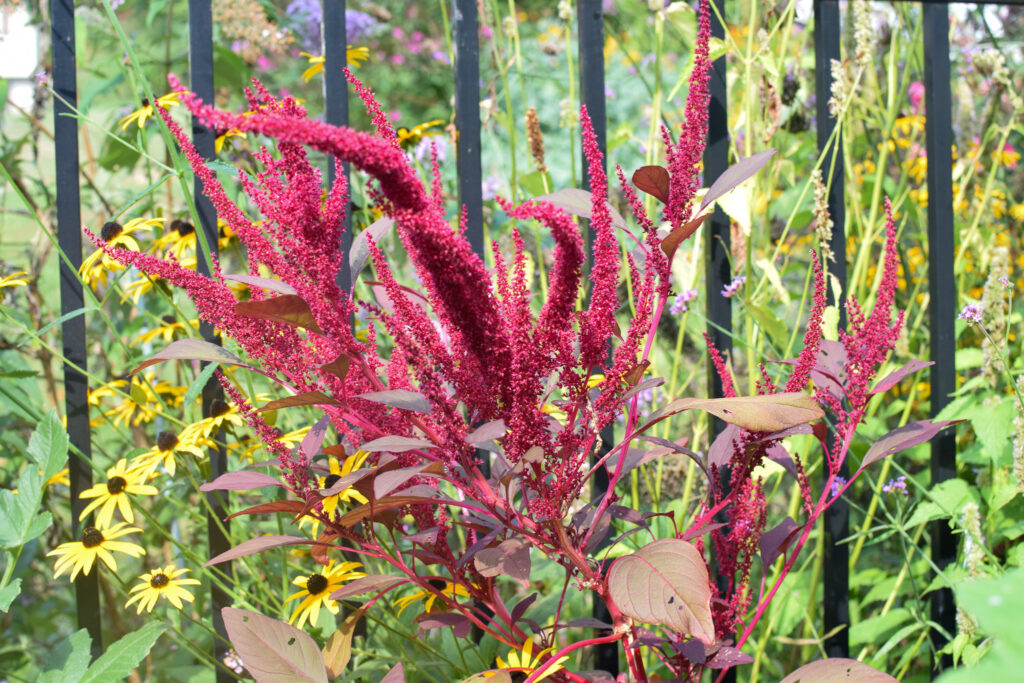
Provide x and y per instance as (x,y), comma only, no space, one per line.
(682,299)
(730,289)
(897,485)
(837,485)
(971,313)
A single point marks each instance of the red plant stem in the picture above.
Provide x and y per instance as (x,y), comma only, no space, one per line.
(537,673)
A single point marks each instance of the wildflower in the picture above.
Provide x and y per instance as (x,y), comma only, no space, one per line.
(679,304)
(730,289)
(80,555)
(61,477)
(144,400)
(351,464)
(19,279)
(837,485)
(218,142)
(220,412)
(179,238)
(1005,282)
(524,660)
(897,485)
(410,137)
(232,661)
(317,588)
(169,329)
(353,56)
(161,583)
(143,114)
(449,590)
(971,313)
(121,482)
(97,264)
(190,440)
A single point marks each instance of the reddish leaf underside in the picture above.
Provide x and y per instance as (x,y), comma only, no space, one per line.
(837,669)
(654,180)
(736,174)
(771,413)
(272,650)
(903,438)
(289,309)
(193,349)
(309,398)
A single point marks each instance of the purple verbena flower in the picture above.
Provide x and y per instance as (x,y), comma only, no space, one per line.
(730,289)
(679,304)
(897,485)
(971,313)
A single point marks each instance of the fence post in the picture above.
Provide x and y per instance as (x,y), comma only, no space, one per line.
(335,51)
(69,237)
(466,47)
(836,561)
(200,51)
(942,291)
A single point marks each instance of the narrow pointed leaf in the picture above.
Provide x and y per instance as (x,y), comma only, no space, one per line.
(654,180)
(903,438)
(395,675)
(241,480)
(272,650)
(399,398)
(292,507)
(309,398)
(255,545)
(895,376)
(396,444)
(337,367)
(367,584)
(338,650)
(360,249)
(192,349)
(579,203)
(488,431)
(771,413)
(289,309)
(373,508)
(262,283)
(736,174)
(665,582)
(670,243)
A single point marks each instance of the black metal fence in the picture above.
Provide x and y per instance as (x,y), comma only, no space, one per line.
(467,120)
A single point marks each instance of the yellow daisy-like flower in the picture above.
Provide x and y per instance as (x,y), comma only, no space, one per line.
(353,56)
(218,143)
(317,588)
(121,482)
(410,137)
(80,555)
(96,266)
(144,113)
(19,279)
(524,660)
(180,239)
(254,446)
(142,403)
(168,444)
(61,477)
(450,590)
(221,412)
(170,329)
(351,464)
(161,583)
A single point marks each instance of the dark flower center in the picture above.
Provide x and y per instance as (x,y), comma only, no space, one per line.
(166,441)
(159,580)
(115,485)
(219,407)
(169,319)
(439,584)
(316,584)
(182,227)
(110,230)
(92,537)
(145,101)
(331,480)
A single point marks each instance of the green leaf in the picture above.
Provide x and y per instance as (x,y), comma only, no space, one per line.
(124,655)
(119,149)
(76,661)
(8,593)
(533,184)
(993,426)
(18,511)
(48,445)
(200,381)
(945,500)
(773,327)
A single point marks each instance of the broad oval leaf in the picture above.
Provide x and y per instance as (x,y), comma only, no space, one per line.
(489,431)
(665,582)
(903,438)
(837,669)
(399,398)
(578,203)
(895,376)
(241,480)
(193,349)
(396,444)
(736,174)
(289,309)
(262,283)
(511,558)
(771,413)
(774,542)
(309,398)
(255,545)
(272,650)
(654,180)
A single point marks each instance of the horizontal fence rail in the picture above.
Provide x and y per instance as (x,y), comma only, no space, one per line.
(466,77)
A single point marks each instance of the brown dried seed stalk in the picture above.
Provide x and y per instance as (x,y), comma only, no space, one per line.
(536,139)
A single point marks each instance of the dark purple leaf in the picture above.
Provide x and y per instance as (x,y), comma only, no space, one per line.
(701,530)
(654,180)
(829,371)
(480,544)
(396,675)
(241,480)
(777,436)
(308,398)
(896,375)
(634,458)
(375,507)
(728,657)
(588,622)
(520,609)
(693,650)
(386,482)
(579,203)
(337,367)
(627,515)
(489,431)
(459,624)
(836,669)
(344,482)
(273,650)
(903,438)
(360,249)
(600,531)
(255,545)
(777,453)
(736,174)
(396,444)
(289,309)
(261,282)
(511,558)
(665,582)
(775,541)
(722,449)
(314,438)
(193,349)
(367,584)
(649,383)
(399,398)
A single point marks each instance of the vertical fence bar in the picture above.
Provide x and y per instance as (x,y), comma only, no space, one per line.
(466,46)
(836,570)
(590,20)
(200,23)
(335,51)
(69,236)
(942,290)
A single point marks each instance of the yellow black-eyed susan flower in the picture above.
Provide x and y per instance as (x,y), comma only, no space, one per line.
(410,137)
(96,266)
(353,56)
(146,111)
(19,279)
(218,142)
(339,470)
(221,413)
(144,400)
(317,588)
(161,582)
(525,661)
(167,445)
(80,555)
(169,329)
(448,589)
(113,493)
